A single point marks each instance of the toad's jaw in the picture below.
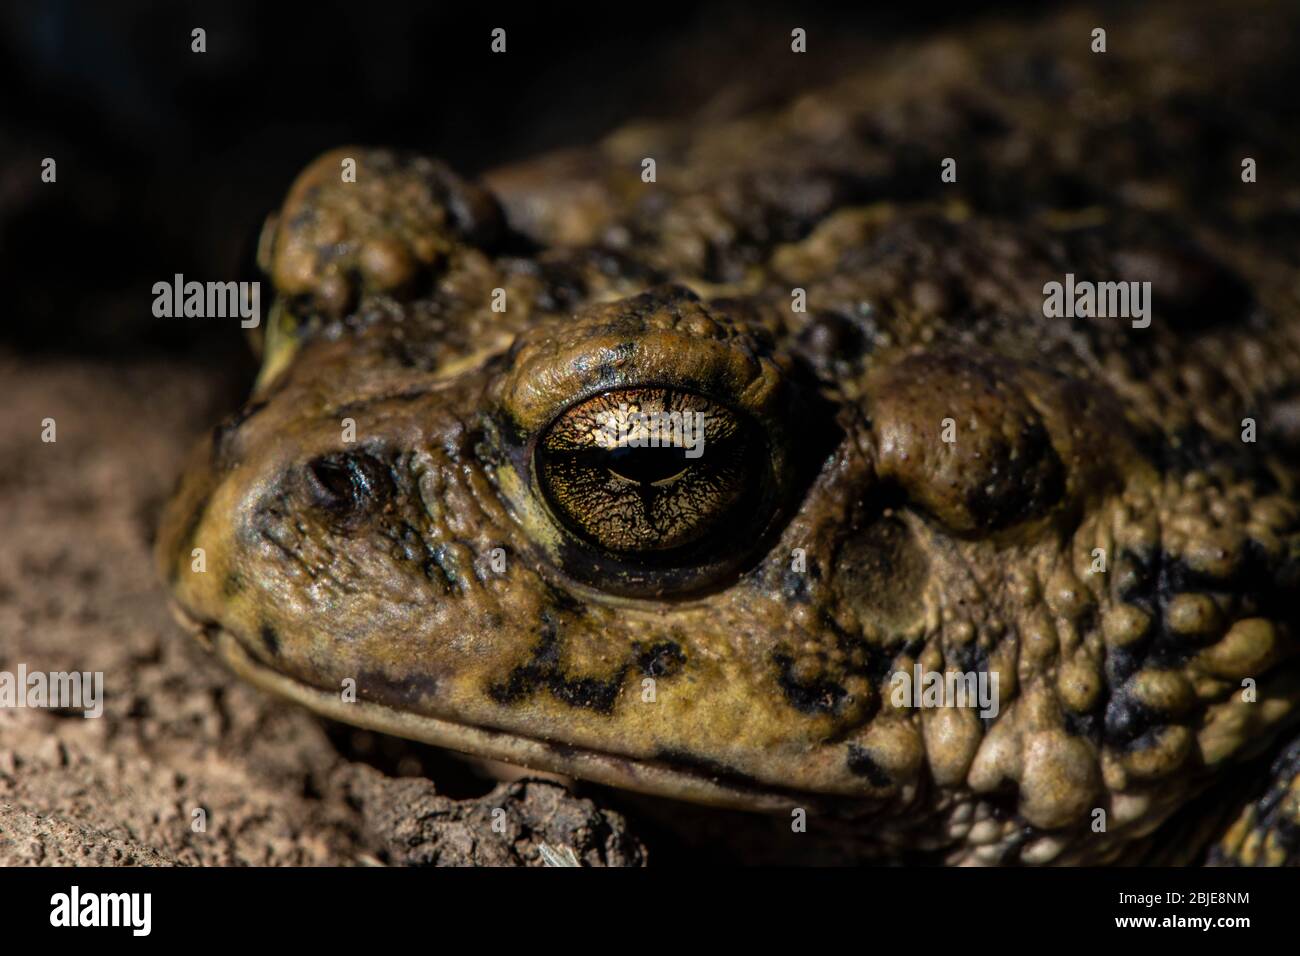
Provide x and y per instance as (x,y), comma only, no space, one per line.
(656,778)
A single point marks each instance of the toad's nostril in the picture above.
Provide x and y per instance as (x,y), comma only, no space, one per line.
(332,481)
(346,483)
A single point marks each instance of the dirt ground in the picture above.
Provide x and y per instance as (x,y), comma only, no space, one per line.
(178,734)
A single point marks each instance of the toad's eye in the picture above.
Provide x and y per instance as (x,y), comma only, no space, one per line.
(644,471)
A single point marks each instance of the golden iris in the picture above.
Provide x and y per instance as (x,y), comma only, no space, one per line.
(646,470)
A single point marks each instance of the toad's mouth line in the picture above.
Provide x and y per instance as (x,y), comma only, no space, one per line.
(659,778)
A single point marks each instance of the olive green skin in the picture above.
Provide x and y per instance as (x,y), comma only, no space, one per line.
(943,464)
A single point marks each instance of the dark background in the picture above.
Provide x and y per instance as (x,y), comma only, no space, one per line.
(168,160)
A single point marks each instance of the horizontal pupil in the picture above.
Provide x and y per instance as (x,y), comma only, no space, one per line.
(645,465)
